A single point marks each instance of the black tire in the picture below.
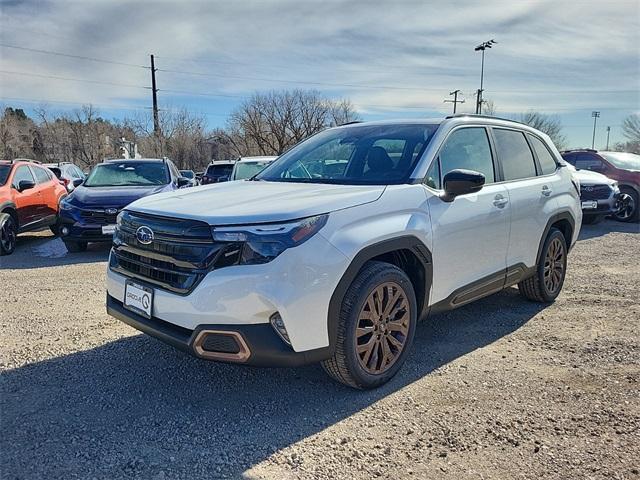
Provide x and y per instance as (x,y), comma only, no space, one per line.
(8,234)
(346,365)
(75,247)
(542,286)
(630,211)
(591,219)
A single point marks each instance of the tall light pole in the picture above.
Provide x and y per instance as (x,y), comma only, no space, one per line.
(595,116)
(481,48)
(608,132)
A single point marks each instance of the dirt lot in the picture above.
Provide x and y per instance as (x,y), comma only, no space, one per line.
(499,389)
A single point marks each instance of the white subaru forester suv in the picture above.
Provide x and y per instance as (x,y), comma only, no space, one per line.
(335,251)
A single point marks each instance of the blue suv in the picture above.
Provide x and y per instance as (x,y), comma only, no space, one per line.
(89,213)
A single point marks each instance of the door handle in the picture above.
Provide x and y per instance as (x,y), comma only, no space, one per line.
(546,191)
(499,201)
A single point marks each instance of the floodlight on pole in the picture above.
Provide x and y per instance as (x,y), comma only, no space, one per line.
(481,48)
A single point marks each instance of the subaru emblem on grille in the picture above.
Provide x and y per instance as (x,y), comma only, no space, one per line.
(110,211)
(144,235)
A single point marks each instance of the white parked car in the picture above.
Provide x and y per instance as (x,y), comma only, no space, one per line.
(247,167)
(336,250)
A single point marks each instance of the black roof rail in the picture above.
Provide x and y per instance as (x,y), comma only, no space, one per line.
(350,123)
(30,160)
(580,150)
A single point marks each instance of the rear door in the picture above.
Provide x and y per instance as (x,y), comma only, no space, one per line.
(532,192)
(46,187)
(470,234)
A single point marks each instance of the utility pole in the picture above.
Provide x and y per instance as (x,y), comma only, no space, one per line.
(481,48)
(156,120)
(455,100)
(595,116)
(608,132)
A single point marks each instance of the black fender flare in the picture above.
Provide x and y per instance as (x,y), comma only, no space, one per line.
(12,206)
(405,242)
(566,215)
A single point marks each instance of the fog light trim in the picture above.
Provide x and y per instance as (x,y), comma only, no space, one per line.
(278,325)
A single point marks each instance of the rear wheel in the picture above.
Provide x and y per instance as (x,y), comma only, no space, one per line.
(75,247)
(547,282)
(628,210)
(376,327)
(8,234)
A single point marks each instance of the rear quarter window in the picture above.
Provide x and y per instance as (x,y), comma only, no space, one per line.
(546,160)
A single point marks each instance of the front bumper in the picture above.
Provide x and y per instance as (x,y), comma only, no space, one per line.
(80,229)
(298,285)
(259,345)
(604,207)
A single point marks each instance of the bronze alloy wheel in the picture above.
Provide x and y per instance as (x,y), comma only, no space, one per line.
(554,266)
(383,327)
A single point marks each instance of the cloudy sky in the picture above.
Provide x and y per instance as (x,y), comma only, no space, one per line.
(392,59)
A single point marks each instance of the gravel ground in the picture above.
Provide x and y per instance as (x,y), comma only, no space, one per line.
(500,389)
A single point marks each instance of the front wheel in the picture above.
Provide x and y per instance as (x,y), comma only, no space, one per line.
(376,326)
(545,285)
(627,210)
(8,234)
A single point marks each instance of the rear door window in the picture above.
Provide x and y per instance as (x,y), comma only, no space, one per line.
(586,161)
(514,154)
(41,175)
(546,160)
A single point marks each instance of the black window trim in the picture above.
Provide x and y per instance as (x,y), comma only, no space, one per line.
(497,168)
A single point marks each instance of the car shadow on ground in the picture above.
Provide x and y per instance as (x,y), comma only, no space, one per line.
(43,249)
(138,407)
(607,226)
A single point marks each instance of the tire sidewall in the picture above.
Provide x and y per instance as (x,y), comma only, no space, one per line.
(362,377)
(5,218)
(554,233)
(636,213)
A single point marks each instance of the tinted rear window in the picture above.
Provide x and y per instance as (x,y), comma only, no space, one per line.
(42,176)
(547,163)
(514,154)
(219,170)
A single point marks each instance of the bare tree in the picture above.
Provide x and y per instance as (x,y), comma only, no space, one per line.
(489,107)
(548,124)
(631,128)
(271,123)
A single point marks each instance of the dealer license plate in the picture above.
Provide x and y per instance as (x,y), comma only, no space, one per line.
(589,205)
(138,298)
(108,229)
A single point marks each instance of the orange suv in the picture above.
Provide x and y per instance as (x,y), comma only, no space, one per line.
(29,198)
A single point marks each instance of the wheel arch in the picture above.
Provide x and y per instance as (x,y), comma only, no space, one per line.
(408,253)
(564,222)
(11,209)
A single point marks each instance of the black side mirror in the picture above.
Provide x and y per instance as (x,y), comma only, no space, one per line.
(460,182)
(183,181)
(25,185)
(77,182)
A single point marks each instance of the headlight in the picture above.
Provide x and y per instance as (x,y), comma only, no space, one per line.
(65,205)
(255,244)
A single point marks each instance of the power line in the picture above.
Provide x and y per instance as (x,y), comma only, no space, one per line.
(455,100)
(68,55)
(54,77)
(275,80)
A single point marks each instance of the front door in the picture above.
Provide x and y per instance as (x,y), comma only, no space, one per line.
(471,233)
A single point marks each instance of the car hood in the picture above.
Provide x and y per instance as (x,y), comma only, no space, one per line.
(244,202)
(587,177)
(116,197)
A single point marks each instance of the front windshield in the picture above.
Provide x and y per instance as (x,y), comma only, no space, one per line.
(132,174)
(355,155)
(623,160)
(248,169)
(4,173)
